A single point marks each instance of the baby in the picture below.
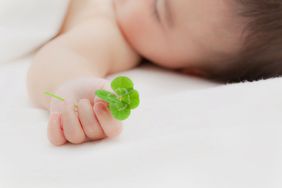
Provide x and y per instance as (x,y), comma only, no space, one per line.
(228,40)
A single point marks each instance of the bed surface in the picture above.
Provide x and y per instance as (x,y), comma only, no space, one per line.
(187,132)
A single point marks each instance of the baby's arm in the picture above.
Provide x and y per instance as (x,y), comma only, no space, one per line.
(94,48)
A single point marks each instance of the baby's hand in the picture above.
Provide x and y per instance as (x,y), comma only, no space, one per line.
(82,116)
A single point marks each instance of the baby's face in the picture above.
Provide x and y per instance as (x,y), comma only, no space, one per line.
(180,33)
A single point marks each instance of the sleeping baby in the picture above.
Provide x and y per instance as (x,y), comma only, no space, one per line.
(224,40)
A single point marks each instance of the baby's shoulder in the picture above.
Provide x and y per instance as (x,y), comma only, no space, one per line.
(91,26)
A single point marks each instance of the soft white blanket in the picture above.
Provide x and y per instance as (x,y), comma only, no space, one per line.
(25,25)
(186,133)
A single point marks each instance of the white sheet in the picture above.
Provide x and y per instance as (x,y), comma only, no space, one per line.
(187,132)
(26,25)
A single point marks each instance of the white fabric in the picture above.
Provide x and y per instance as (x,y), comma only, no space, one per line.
(25,25)
(186,133)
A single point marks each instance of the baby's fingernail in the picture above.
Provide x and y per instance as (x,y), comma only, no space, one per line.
(100,107)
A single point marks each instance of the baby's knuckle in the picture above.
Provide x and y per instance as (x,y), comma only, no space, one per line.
(91,133)
(76,140)
(94,134)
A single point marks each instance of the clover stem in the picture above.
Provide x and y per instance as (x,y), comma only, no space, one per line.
(54,96)
(59,98)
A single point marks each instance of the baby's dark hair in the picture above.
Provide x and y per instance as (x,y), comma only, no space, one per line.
(261,55)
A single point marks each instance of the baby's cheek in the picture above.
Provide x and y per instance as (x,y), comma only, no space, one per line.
(140,28)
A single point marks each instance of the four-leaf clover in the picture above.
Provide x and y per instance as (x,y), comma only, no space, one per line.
(125,99)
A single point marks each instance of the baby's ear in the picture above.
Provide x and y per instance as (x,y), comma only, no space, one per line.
(194,72)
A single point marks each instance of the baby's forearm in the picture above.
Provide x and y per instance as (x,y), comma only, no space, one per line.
(55,64)
(94,48)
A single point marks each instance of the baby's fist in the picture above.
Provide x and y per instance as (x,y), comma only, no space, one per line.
(82,116)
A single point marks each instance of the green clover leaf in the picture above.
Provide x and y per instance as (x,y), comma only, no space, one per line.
(107,96)
(132,98)
(120,111)
(122,85)
(124,100)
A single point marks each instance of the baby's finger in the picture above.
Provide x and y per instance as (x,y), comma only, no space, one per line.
(72,128)
(111,126)
(55,134)
(90,125)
